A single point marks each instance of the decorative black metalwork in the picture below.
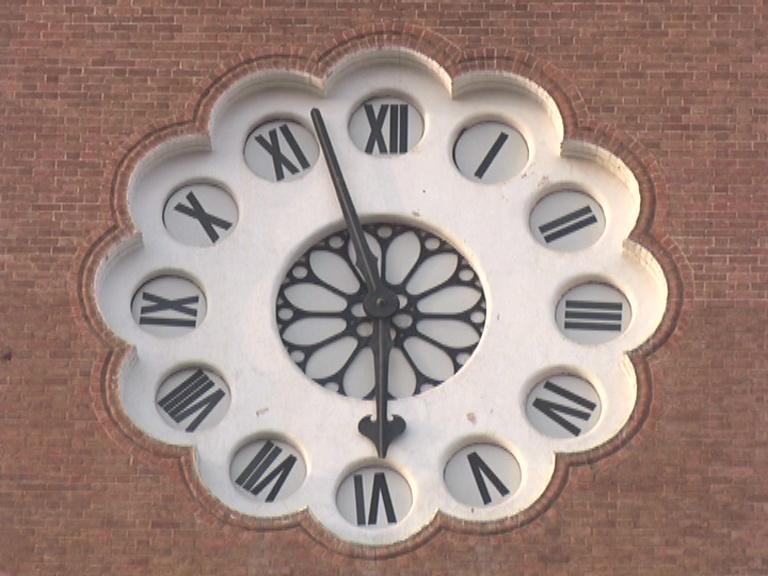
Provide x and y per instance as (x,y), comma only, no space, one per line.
(328,333)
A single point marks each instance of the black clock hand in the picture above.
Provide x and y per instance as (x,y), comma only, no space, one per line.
(380,302)
(382,431)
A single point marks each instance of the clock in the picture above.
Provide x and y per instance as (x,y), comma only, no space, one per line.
(380,296)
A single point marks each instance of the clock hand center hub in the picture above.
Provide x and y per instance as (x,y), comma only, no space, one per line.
(381,303)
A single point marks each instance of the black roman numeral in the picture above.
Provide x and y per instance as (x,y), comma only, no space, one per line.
(398,128)
(555,411)
(257,475)
(379,492)
(189,398)
(567,224)
(153,313)
(491,155)
(598,316)
(481,471)
(208,221)
(280,160)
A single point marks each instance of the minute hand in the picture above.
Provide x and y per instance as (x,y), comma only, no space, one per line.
(380,301)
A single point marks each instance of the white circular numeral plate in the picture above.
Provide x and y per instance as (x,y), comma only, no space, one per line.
(200,214)
(192,399)
(374,497)
(563,406)
(593,313)
(168,306)
(281,150)
(567,221)
(482,475)
(490,152)
(268,470)
(386,126)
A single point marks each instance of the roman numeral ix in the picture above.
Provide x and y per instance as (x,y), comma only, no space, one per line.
(151,314)
(257,475)
(280,160)
(397,143)
(207,221)
(189,398)
(555,411)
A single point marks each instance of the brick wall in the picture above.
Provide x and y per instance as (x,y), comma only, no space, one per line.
(683,85)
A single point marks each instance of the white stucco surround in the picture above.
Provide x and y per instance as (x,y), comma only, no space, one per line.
(523,282)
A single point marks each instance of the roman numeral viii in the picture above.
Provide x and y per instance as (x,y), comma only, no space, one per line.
(197,396)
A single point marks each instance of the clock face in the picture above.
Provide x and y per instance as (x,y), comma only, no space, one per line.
(381,300)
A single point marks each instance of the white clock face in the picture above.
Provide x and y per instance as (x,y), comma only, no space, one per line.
(435,360)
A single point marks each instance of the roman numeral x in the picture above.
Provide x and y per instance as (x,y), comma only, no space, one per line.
(208,221)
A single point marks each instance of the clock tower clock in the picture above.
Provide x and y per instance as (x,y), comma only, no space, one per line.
(381,295)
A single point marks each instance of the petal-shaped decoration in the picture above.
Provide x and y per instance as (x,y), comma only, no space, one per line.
(450,333)
(450,300)
(359,377)
(402,378)
(433,272)
(402,255)
(433,362)
(330,358)
(314,298)
(334,271)
(308,331)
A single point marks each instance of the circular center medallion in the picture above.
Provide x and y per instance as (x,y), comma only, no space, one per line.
(435,327)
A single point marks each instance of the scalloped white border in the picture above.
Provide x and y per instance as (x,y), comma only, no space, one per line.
(485,401)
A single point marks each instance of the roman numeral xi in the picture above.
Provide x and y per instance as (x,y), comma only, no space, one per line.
(280,161)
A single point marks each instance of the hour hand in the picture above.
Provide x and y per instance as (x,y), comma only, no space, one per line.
(383,430)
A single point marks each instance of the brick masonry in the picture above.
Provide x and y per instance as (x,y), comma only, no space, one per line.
(678,90)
